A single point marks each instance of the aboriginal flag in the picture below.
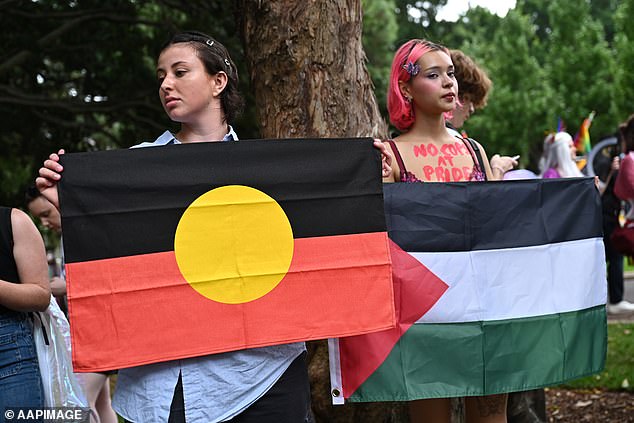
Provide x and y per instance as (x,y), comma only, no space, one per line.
(188,250)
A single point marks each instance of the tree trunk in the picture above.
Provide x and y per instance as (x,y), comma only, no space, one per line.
(307,69)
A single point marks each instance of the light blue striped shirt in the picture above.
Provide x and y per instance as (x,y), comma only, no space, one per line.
(216,387)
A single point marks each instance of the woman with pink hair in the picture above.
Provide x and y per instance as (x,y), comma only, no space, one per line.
(422,94)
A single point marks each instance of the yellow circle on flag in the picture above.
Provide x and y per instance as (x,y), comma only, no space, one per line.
(234,244)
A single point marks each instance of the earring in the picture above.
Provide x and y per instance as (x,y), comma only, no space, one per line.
(408,99)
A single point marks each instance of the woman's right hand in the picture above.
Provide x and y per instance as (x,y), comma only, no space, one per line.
(50,174)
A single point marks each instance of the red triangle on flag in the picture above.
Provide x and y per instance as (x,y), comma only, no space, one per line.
(416,290)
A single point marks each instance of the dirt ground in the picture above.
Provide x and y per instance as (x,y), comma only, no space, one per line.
(594,406)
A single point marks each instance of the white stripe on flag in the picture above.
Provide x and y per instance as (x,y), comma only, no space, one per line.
(517,282)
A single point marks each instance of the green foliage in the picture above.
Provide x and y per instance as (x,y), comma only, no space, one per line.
(547,60)
(379,36)
(473,27)
(624,48)
(581,68)
(619,365)
(80,75)
(603,11)
(417,19)
(518,106)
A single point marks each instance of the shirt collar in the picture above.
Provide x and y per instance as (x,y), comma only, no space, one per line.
(168,138)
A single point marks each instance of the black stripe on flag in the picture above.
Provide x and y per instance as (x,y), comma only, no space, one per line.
(126,202)
(439,217)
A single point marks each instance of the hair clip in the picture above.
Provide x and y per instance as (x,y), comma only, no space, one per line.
(209,43)
(227,63)
(412,68)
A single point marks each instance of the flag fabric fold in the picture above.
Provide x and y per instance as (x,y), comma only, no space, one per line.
(194,249)
(523,304)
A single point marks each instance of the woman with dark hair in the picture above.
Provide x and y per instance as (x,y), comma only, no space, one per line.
(198,87)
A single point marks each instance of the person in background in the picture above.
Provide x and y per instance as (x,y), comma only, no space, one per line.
(558,157)
(473,89)
(24,288)
(623,189)
(50,218)
(96,385)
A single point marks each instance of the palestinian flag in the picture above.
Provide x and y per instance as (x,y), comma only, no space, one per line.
(518,271)
(188,250)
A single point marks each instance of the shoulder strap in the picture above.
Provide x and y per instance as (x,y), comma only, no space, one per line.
(6,232)
(478,154)
(397,156)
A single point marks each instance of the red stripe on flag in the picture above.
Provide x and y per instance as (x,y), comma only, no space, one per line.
(416,290)
(138,310)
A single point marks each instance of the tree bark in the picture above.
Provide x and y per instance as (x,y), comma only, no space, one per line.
(307,69)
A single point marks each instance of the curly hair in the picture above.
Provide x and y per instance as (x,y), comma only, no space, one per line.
(400,110)
(215,58)
(473,82)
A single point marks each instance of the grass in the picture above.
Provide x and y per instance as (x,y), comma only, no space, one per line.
(619,365)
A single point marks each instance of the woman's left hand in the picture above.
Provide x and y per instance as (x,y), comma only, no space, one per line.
(386,158)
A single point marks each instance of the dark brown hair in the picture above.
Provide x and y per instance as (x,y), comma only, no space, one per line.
(215,58)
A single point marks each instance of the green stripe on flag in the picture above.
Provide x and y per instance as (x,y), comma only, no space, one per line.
(483,358)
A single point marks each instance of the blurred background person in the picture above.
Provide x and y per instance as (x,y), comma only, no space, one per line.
(624,189)
(558,157)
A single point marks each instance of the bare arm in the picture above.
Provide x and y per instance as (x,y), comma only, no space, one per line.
(34,292)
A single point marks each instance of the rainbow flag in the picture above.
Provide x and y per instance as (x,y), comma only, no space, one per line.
(582,138)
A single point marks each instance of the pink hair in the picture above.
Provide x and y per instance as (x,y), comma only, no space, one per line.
(400,110)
